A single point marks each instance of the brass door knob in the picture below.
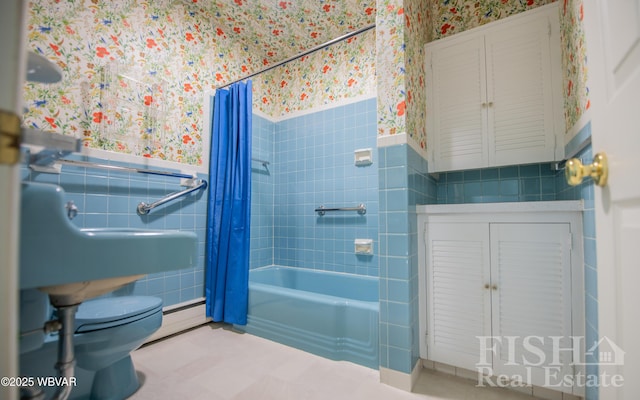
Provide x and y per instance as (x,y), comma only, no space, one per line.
(575,171)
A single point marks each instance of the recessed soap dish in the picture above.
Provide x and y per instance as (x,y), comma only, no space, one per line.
(363,157)
(363,246)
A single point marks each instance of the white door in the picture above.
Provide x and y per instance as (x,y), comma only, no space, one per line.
(11,79)
(613,47)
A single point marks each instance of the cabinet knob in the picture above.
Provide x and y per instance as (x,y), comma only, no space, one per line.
(491,104)
(484,105)
(486,286)
(575,171)
(494,287)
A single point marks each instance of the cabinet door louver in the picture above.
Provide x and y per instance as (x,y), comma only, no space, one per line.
(519,93)
(533,296)
(458,90)
(460,310)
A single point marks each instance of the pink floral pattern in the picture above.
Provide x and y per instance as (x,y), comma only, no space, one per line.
(338,73)
(271,31)
(391,69)
(175,52)
(135,73)
(416,32)
(574,61)
(448,17)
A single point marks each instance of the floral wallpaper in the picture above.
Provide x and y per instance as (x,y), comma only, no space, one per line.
(574,61)
(390,48)
(272,31)
(334,74)
(448,17)
(416,34)
(134,74)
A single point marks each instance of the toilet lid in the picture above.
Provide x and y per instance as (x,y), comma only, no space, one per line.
(112,311)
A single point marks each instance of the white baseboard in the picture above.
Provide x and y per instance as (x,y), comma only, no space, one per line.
(180,320)
(401,380)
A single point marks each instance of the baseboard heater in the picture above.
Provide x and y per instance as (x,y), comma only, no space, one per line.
(180,317)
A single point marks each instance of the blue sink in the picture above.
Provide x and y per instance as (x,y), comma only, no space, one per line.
(74,264)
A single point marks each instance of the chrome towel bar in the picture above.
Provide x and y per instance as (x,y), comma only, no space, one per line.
(361,209)
(263,162)
(144,208)
(87,164)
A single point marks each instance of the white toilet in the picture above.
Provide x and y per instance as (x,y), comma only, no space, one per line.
(107,330)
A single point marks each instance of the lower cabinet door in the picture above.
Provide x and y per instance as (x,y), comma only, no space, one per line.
(531,302)
(458,298)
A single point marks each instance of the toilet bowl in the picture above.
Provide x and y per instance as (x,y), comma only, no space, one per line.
(107,330)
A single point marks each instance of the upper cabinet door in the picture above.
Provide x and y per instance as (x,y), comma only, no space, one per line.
(520,92)
(494,94)
(457,100)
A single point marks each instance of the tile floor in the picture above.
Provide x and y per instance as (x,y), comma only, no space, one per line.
(214,363)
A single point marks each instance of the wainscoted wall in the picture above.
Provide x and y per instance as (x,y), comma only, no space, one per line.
(109,199)
(313,166)
(532,182)
(586,193)
(404,183)
(262,190)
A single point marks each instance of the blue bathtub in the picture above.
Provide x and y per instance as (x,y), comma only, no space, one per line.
(333,315)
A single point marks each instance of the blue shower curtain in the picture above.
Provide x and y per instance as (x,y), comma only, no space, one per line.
(227,250)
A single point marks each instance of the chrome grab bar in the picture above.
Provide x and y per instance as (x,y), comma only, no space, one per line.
(144,208)
(361,209)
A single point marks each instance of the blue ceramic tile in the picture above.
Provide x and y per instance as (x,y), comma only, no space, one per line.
(399,336)
(398,314)
(489,173)
(400,360)
(509,172)
(509,187)
(457,176)
(398,290)
(530,170)
(530,186)
(490,188)
(472,189)
(471,175)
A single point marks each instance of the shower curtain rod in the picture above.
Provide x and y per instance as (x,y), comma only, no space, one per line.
(304,53)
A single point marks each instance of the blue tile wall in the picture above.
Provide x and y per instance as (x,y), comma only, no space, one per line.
(404,183)
(534,182)
(313,165)
(262,189)
(109,199)
(585,192)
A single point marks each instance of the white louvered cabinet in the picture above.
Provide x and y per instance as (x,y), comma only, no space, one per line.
(498,274)
(494,94)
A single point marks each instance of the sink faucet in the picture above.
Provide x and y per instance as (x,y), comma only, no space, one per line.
(72,209)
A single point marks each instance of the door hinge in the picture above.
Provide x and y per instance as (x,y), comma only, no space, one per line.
(549,28)
(570,241)
(10,138)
